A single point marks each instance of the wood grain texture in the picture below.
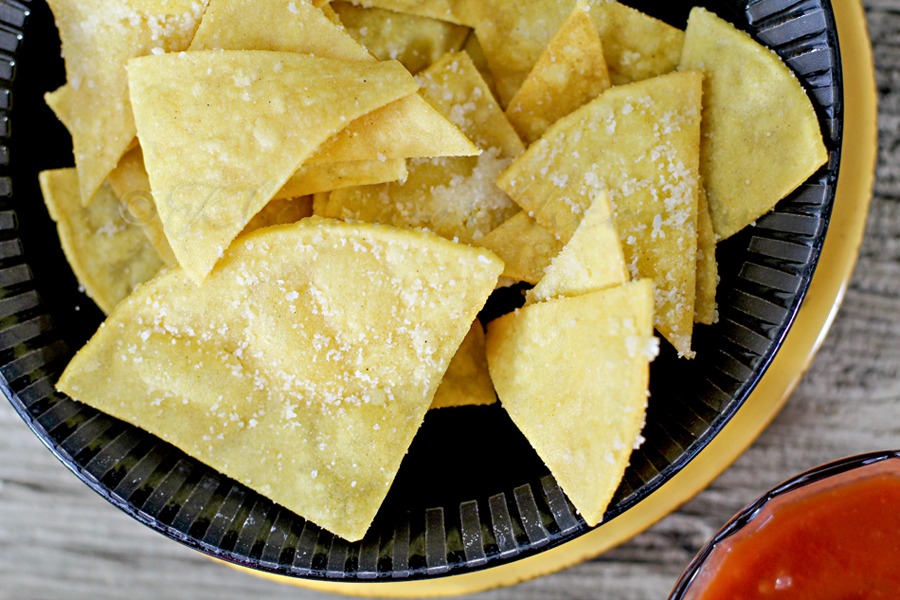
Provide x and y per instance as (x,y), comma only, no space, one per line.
(60,540)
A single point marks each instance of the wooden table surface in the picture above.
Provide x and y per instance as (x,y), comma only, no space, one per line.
(59,540)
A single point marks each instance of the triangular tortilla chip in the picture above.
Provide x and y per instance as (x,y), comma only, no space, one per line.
(417,42)
(761,137)
(525,247)
(405,129)
(590,262)
(280,211)
(636,46)
(324,177)
(641,143)
(513,35)
(573,375)
(454,197)
(302,367)
(476,53)
(467,381)
(109,255)
(569,73)
(131,184)
(222,131)
(98,37)
(452,11)
(707,267)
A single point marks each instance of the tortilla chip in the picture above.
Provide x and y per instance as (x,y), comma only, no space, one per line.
(417,42)
(467,381)
(636,46)
(324,177)
(707,268)
(131,184)
(514,34)
(320,203)
(590,262)
(454,197)
(108,255)
(313,383)
(98,37)
(476,53)
(452,11)
(761,138)
(525,247)
(569,73)
(405,129)
(641,143)
(573,376)
(281,211)
(222,131)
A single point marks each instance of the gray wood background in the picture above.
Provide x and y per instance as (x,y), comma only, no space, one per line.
(59,540)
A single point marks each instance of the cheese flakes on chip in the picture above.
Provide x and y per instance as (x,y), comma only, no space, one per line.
(222,131)
(452,11)
(707,268)
(569,73)
(324,177)
(109,255)
(525,247)
(641,143)
(573,375)
(514,34)
(454,197)
(98,37)
(404,129)
(761,137)
(590,262)
(131,184)
(301,367)
(467,381)
(417,42)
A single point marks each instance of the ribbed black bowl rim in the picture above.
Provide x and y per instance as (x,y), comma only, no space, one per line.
(766,271)
(749,512)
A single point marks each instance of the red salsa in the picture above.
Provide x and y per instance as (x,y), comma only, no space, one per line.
(836,539)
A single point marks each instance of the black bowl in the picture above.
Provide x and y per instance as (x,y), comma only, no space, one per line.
(700,571)
(471,493)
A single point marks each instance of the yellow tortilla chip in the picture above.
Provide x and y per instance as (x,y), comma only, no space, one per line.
(109,256)
(590,262)
(761,138)
(222,131)
(404,129)
(131,184)
(454,197)
(569,73)
(98,37)
(573,374)
(302,367)
(641,143)
(452,11)
(525,247)
(476,53)
(281,211)
(324,177)
(513,35)
(636,46)
(707,267)
(415,41)
(467,381)
(320,203)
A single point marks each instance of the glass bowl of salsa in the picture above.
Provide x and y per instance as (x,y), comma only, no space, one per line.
(830,533)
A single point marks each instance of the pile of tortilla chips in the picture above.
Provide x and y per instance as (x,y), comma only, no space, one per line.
(293,236)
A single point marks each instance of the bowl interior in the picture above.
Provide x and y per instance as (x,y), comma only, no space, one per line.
(471,493)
